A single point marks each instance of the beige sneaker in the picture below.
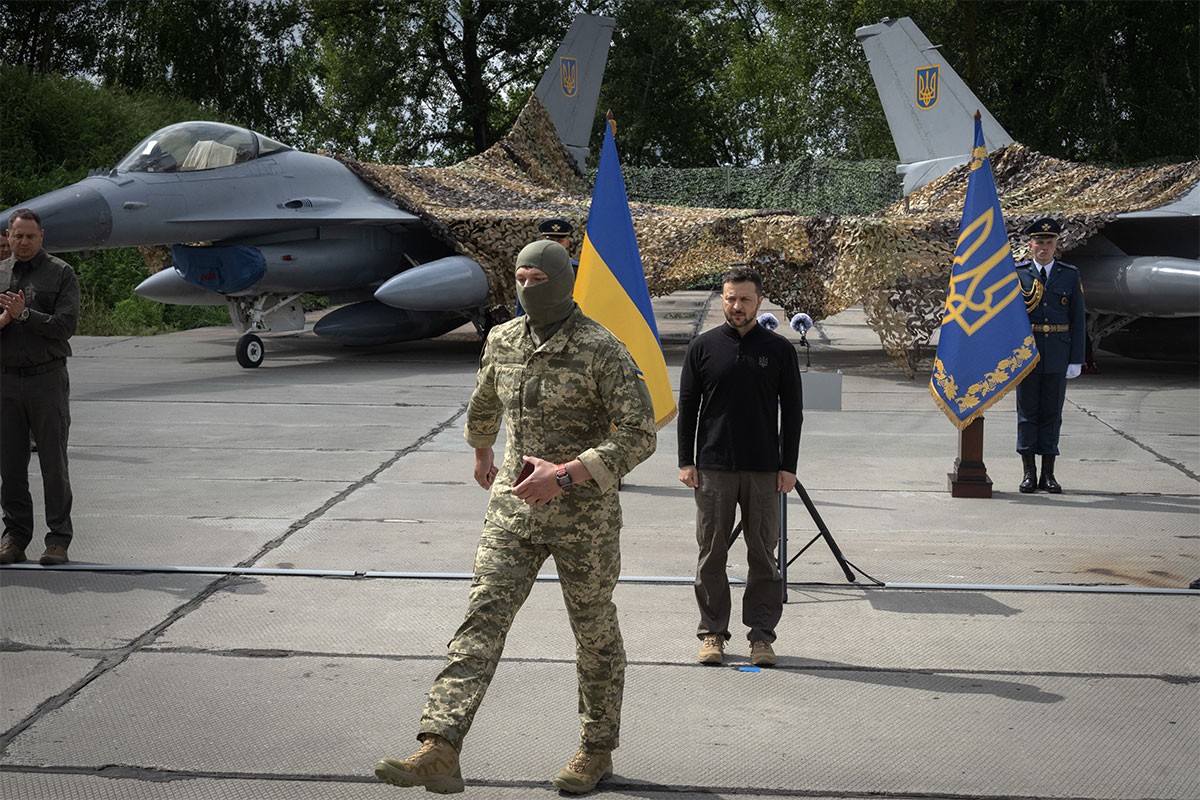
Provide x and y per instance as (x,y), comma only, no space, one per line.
(583,772)
(712,649)
(434,766)
(762,654)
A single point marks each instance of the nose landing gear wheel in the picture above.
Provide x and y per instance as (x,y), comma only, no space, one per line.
(250,351)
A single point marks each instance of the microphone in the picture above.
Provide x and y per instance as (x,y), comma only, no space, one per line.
(801,323)
(768,321)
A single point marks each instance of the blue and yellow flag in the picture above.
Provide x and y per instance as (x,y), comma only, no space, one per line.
(611,284)
(985,346)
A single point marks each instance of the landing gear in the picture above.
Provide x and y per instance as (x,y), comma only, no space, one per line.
(258,313)
(250,351)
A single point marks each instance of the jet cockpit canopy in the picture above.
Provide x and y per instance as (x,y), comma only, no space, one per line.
(194,146)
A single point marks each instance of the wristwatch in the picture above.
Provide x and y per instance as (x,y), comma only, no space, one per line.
(564,479)
(24,315)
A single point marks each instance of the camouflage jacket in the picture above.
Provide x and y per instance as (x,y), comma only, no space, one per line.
(578,395)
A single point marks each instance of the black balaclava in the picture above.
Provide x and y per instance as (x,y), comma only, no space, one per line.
(547,304)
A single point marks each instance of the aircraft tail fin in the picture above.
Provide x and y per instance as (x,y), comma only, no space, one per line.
(929,108)
(571,86)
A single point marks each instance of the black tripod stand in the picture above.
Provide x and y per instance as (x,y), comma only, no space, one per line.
(848,568)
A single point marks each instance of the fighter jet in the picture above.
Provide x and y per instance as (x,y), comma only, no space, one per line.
(253,224)
(1141,271)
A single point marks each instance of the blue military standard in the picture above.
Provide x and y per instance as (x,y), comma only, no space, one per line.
(1053,295)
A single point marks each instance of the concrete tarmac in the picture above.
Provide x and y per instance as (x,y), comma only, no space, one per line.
(268,564)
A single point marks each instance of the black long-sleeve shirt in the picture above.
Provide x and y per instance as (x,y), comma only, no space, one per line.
(52,297)
(740,402)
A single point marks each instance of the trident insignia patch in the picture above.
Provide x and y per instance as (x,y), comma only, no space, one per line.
(927,87)
(568,70)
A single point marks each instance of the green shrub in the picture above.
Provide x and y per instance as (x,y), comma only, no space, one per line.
(184,318)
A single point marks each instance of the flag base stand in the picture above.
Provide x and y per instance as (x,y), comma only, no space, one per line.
(970,478)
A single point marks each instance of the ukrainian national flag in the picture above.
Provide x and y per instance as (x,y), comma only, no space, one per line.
(611,284)
(985,346)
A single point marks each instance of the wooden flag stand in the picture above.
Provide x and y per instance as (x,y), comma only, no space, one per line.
(970,478)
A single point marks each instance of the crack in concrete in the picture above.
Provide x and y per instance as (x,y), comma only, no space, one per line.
(1162,459)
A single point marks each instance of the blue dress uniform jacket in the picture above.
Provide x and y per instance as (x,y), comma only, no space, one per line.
(1061,304)
(1059,329)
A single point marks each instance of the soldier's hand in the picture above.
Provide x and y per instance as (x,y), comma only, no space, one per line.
(786,481)
(485,467)
(540,486)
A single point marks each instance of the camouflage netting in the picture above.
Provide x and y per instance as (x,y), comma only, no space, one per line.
(896,262)
(488,207)
(1084,198)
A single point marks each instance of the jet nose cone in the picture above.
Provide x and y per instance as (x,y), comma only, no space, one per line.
(75,218)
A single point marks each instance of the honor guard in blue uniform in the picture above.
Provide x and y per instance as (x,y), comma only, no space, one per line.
(559,230)
(1054,299)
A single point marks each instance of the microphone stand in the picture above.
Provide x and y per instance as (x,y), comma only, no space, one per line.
(848,568)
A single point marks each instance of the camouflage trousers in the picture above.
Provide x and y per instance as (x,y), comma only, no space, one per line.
(506,566)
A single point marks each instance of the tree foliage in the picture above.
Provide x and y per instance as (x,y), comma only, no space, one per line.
(447,85)
(695,83)
(1087,81)
(778,85)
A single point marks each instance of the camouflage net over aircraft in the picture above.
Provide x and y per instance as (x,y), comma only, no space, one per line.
(896,262)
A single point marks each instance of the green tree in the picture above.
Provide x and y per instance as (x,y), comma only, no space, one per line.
(1087,81)
(46,36)
(665,83)
(53,129)
(449,82)
(241,59)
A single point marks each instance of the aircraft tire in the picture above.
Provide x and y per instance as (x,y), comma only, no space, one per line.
(250,351)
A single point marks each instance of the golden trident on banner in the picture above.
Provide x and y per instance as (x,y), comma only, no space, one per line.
(987,300)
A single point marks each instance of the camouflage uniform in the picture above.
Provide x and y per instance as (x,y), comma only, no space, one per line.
(578,395)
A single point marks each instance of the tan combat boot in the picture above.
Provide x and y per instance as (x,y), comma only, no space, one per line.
(434,766)
(762,654)
(584,771)
(712,650)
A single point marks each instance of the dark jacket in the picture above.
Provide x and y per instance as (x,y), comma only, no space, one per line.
(740,402)
(52,297)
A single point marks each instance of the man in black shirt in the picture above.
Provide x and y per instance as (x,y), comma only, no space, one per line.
(740,412)
(39,308)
